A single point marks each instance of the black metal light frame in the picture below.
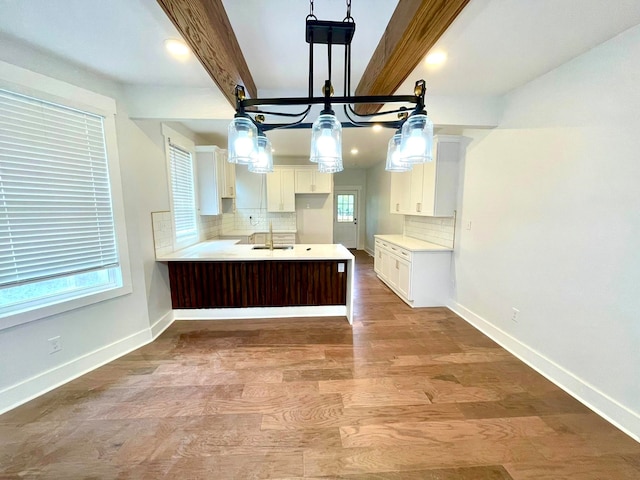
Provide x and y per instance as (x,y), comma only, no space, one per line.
(321,32)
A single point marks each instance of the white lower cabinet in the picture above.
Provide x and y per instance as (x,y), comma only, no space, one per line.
(420,278)
(278,238)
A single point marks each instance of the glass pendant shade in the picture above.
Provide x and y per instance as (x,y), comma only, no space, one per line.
(417,140)
(263,159)
(242,144)
(394,162)
(326,140)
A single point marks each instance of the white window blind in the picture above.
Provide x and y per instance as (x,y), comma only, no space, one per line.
(183,194)
(55,202)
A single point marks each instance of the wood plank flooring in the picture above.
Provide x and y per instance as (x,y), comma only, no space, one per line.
(406,394)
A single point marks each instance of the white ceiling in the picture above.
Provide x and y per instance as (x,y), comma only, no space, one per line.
(493,47)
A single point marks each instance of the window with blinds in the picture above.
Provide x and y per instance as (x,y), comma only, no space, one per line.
(56,221)
(183,195)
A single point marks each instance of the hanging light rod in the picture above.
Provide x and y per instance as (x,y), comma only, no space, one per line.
(414,130)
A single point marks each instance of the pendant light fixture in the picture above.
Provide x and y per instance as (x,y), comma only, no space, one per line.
(412,143)
(394,162)
(242,140)
(263,159)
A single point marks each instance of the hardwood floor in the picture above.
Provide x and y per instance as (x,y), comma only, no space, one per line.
(406,394)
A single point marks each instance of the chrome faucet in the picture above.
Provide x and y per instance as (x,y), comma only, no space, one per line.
(269,242)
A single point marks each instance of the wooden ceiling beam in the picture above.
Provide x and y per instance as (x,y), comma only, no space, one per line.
(414,28)
(205,26)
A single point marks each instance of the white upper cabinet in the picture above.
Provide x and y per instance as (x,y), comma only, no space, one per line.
(208,181)
(309,180)
(430,189)
(400,195)
(227,175)
(281,190)
(216,179)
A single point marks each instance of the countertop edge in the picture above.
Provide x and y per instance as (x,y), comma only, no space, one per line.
(209,251)
(412,244)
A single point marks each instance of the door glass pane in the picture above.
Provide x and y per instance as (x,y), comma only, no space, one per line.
(345,205)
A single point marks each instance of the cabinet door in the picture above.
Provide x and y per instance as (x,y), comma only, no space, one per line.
(274,187)
(377,260)
(322,182)
(416,190)
(386,264)
(404,278)
(304,180)
(428,187)
(394,271)
(287,184)
(259,238)
(227,172)
(230,177)
(400,194)
(208,190)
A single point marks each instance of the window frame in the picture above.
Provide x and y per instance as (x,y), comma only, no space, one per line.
(27,82)
(184,143)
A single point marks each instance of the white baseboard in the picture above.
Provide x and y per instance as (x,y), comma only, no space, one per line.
(162,324)
(622,417)
(369,251)
(259,312)
(15,395)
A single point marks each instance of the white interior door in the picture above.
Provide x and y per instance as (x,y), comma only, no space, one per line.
(345,221)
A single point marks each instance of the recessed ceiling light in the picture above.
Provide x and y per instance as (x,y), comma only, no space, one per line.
(436,58)
(354,151)
(377,128)
(177,48)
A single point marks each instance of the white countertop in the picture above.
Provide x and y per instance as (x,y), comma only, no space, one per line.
(225,250)
(413,244)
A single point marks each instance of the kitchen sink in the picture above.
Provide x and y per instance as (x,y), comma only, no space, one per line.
(278,247)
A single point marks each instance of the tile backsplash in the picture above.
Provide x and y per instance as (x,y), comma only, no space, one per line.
(260,218)
(438,230)
(212,226)
(162,232)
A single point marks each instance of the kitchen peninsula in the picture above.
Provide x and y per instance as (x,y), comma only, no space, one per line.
(221,279)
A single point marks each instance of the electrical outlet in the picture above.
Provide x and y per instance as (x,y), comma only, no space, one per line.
(514,314)
(55,344)
(468,225)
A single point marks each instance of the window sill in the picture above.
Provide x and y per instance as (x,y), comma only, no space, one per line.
(14,319)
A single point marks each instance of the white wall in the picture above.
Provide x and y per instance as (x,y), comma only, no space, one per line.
(553,198)
(102,331)
(379,220)
(314,218)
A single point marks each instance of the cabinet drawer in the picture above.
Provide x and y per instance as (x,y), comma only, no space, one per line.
(399,251)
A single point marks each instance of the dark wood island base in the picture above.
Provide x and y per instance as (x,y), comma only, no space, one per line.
(244,284)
